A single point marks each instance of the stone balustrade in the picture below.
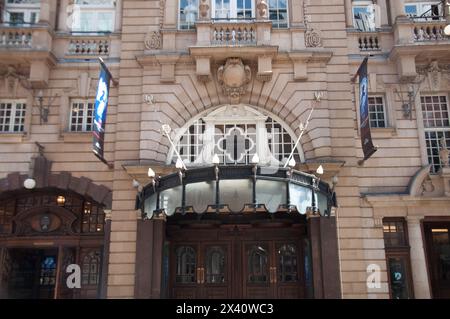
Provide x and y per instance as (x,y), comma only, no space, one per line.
(88,46)
(16,38)
(233,34)
(429,31)
(369,42)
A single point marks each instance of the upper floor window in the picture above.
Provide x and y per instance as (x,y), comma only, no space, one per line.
(235,134)
(424,10)
(21,11)
(436,125)
(12,116)
(81,116)
(364,16)
(377,112)
(233,9)
(93,16)
(188,14)
(278,13)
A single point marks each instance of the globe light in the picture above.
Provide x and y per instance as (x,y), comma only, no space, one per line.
(255,159)
(29,183)
(151,173)
(179,164)
(447,30)
(215,159)
(292,163)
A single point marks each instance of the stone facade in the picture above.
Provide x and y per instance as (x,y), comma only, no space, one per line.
(320,51)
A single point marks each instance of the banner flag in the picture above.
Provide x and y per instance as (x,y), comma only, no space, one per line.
(364,125)
(100,110)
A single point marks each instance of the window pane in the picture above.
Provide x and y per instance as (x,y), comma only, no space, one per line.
(236,193)
(271,194)
(200,195)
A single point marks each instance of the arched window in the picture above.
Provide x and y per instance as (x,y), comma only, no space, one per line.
(91,265)
(235,134)
(186,265)
(215,265)
(257,265)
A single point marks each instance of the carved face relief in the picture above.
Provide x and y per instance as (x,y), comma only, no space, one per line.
(234,77)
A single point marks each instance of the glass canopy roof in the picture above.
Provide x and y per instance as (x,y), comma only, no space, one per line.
(235,190)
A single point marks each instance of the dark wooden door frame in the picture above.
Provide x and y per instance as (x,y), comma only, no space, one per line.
(428,220)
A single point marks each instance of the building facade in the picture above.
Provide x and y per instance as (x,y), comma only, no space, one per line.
(212,95)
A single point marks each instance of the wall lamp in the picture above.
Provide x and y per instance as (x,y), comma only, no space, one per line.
(44,110)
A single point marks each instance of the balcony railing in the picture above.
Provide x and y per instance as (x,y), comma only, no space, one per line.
(15,38)
(369,42)
(429,31)
(233,33)
(90,46)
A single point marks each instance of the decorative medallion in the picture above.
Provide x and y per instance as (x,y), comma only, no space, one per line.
(233,77)
(313,39)
(153,40)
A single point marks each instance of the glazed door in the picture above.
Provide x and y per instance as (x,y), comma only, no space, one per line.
(272,270)
(201,270)
(438,241)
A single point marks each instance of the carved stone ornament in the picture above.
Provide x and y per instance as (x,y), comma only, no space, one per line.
(153,40)
(233,77)
(313,39)
(263,9)
(427,186)
(203,8)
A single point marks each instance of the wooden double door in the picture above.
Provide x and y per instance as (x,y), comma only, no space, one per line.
(244,263)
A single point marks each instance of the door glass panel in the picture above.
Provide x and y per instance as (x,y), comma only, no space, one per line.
(441,247)
(398,275)
(257,264)
(186,265)
(287,263)
(215,265)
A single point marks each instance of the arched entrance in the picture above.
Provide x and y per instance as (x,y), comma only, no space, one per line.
(46,229)
(237,232)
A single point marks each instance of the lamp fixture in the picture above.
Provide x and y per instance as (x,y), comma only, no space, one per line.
(215,159)
(255,159)
(292,163)
(319,170)
(44,110)
(60,200)
(151,173)
(29,183)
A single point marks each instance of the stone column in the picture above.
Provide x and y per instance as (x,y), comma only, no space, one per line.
(348,13)
(418,261)
(149,258)
(47,12)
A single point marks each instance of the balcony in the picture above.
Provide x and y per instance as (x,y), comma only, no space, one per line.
(424,31)
(29,45)
(93,46)
(371,42)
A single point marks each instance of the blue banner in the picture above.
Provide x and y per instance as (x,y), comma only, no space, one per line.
(366,136)
(100,110)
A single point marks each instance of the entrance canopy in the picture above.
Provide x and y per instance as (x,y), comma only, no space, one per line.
(235,190)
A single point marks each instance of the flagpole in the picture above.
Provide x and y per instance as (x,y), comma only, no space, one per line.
(303,129)
(102,62)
